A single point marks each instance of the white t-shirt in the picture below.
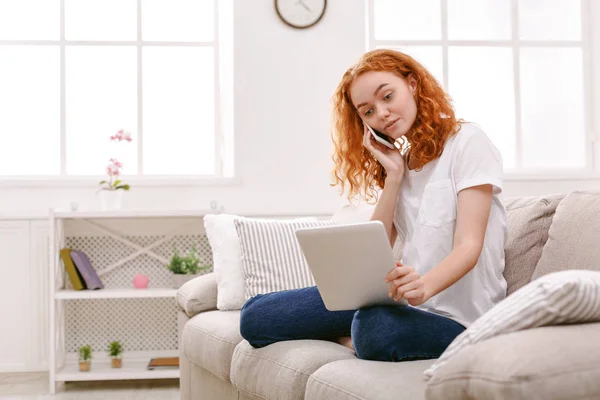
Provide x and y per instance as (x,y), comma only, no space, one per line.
(425,219)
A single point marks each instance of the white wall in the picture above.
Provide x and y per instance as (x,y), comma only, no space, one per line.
(284,79)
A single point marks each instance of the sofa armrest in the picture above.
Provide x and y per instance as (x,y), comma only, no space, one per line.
(551,362)
(198,295)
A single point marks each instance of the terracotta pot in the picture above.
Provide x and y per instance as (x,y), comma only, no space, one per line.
(85,366)
(116,362)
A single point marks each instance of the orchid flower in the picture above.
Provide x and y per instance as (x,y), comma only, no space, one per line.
(113,169)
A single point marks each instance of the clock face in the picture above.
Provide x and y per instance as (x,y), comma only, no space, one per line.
(300,13)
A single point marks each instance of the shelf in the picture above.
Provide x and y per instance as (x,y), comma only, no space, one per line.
(138,213)
(102,371)
(123,293)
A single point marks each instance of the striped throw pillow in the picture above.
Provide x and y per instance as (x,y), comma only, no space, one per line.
(272,259)
(565,297)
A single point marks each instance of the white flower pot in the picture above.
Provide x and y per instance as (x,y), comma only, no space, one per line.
(111,200)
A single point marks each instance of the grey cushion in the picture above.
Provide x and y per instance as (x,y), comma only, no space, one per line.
(372,380)
(280,371)
(209,340)
(529,219)
(574,237)
(198,294)
(557,362)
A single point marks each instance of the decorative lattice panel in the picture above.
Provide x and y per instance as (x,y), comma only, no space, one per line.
(140,324)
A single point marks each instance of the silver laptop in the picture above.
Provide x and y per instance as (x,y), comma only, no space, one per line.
(349,264)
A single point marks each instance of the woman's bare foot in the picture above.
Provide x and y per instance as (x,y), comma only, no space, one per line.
(346,341)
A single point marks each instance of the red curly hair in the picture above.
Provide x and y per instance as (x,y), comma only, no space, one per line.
(434,124)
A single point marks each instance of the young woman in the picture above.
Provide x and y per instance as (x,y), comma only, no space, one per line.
(439,197)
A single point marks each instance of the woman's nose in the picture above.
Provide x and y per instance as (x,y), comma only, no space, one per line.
(383,112)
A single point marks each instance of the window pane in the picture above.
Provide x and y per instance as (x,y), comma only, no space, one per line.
(226,85)
(407,20)
(29,110)
(101,98)
(178,20)
(100,20)
(179,111)
(550,19)
(482,86)
(552,108)
(479,19)
(29,20)
(429,56)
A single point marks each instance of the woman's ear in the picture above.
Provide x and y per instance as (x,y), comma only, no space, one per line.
(412,82)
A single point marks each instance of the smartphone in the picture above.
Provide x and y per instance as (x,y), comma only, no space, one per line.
(382,138)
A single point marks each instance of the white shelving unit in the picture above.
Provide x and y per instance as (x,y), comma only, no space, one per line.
(146,251)
(70,294)
(134,367)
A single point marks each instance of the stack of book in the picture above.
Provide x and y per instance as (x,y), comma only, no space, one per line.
(80,270)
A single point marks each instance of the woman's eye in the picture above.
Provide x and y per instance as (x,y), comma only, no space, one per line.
(368,112)
(388,96)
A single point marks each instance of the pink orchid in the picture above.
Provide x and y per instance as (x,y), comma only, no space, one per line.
(113,169)
(121,135)
(116,163)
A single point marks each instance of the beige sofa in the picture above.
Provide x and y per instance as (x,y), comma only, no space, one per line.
(546,233)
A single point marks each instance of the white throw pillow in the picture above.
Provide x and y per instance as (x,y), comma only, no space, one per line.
(227,265)
(272,259)
(227,262)
(564,297)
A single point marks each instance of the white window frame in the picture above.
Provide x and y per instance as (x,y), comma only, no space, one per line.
(224,140)
(590,39)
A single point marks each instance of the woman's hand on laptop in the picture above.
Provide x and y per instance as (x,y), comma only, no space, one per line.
(406,283)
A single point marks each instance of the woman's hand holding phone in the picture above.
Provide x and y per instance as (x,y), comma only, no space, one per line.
(392,160)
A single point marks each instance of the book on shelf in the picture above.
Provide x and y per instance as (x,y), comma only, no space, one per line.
(74,276)
(163,363)
(87,271)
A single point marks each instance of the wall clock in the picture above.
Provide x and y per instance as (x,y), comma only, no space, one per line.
(300,14)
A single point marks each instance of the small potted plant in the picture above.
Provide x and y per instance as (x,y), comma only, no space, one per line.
(114,351)
(185,268)
(85,358)
(111,190)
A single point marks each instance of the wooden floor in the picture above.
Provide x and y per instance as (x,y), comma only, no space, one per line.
(34,386)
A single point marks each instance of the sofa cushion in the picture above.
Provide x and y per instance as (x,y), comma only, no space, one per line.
(280,371)
(574,237)
(556,362)
(529,219)
(209,339)
(368,380)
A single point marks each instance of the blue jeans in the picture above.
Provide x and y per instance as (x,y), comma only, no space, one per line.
(383,333)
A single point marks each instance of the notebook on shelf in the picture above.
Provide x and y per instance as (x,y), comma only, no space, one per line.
(87,271)
(74,276)
(163,363)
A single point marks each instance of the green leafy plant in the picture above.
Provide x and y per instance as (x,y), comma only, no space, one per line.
(115,349)
(188,264)
(85,352)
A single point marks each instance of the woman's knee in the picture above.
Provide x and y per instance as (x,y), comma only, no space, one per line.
(370,333)
(401,333)
(250,320)
(267,318)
